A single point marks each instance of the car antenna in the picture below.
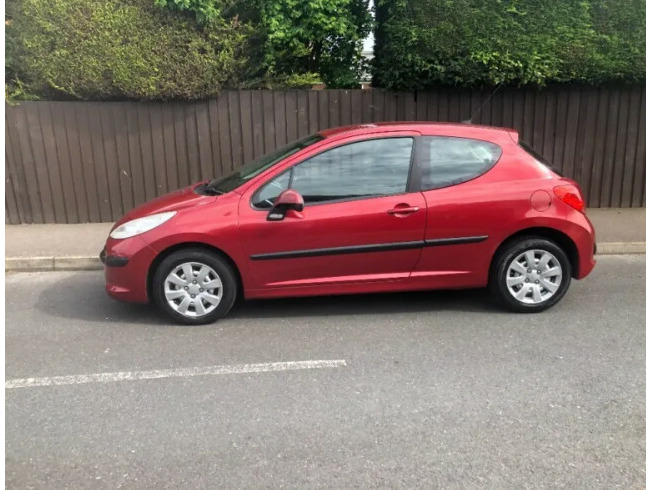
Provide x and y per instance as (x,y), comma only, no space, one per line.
(469,121)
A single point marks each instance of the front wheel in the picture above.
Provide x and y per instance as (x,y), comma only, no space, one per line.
(194,286)
(530,275)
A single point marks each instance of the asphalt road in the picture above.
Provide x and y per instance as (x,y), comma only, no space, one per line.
(438,390)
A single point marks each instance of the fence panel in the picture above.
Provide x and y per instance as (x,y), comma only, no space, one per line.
(73,162)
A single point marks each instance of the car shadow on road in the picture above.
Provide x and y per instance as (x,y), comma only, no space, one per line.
(81,296)
(89,302)
(473,300)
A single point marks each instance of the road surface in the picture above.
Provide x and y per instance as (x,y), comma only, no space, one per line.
(429,390)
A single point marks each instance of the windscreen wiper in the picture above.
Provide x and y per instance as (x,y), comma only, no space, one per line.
(207,188)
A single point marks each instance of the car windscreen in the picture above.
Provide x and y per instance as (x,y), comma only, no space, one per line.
(259,165)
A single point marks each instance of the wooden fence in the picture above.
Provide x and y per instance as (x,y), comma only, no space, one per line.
(76,162)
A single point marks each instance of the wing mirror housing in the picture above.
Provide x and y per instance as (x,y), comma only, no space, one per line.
(288,203)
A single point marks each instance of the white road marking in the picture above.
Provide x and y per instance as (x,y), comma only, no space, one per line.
(172,373)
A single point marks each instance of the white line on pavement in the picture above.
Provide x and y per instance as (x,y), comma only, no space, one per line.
(172,373)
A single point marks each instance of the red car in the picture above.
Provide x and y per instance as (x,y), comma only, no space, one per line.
(360,209)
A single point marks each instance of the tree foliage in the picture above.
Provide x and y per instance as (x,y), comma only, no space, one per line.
(205,11)
(108,49)
(296,42)
(423,43)
(323,37)
(179,49)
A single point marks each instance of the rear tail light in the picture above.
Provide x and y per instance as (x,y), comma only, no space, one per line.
(571,195)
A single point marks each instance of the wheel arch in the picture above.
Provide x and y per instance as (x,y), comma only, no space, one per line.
(183,245)
(560,238)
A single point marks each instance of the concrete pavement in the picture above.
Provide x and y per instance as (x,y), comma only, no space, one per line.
(76,247)
(438,390)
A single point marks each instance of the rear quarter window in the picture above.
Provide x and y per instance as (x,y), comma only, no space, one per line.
(448,161)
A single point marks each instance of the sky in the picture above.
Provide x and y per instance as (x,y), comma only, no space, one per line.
(369,42)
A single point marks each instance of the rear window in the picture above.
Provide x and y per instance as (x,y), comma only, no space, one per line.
(527,148)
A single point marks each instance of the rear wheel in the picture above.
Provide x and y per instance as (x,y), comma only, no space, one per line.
(530,275)
(194,286)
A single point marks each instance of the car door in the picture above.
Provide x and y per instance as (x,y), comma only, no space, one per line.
(461,200)
(360,223)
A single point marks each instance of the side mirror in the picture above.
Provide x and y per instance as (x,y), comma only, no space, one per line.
(288,200)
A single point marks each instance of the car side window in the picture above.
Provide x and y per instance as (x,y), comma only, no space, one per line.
(448,161)
(368,168)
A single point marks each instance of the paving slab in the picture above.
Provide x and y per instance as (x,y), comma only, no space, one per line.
(618,225)
(79,240)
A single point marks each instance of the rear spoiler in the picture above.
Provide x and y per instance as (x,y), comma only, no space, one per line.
(514,134)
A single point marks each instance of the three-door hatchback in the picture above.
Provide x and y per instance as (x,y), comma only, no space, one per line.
(360,209)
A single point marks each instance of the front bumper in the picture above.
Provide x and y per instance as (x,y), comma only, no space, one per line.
(112,260)
(126,268)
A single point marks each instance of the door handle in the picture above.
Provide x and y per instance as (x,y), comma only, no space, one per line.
(404,210)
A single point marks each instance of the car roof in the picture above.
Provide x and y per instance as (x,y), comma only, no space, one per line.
(432,128)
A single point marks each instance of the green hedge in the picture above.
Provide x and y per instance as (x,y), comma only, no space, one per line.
(426,43)
(295,43)
(114,49)
(179,49)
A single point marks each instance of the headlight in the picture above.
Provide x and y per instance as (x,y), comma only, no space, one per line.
(140,225)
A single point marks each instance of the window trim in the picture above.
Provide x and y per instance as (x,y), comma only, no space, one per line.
(422,163)
(381,136)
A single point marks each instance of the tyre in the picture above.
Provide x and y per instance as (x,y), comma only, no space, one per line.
(530,275)
(194,286)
